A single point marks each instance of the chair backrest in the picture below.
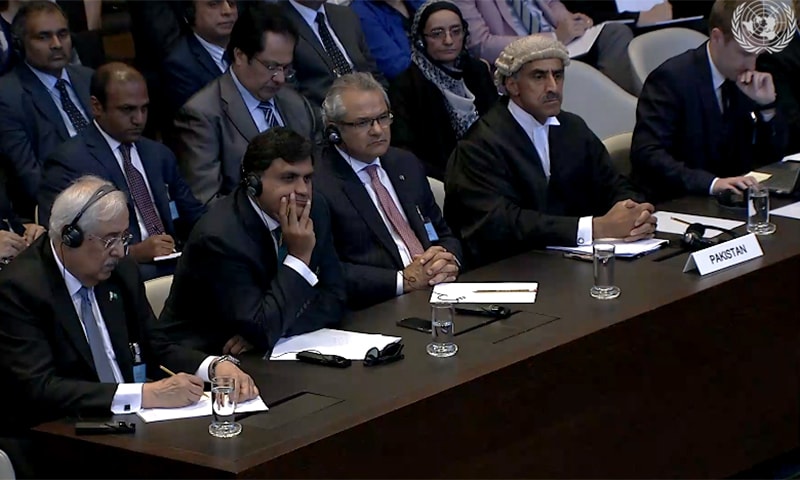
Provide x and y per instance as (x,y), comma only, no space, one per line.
(650,50)
(605,107)
(437,187)
(619,149)
(6,469)
(157,291)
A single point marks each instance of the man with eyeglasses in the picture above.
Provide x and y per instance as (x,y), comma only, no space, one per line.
(213,128)
(387,229)
(162,208)
(74,314)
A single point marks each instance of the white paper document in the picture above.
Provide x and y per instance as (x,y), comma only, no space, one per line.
(791,211)
(621,249)
(636,5)
(494,292)
(759,176)
(792,158)
(328,341)
(167,257)
(199,409)
(667,224)
(583,44)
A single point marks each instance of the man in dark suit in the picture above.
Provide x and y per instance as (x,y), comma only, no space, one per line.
(331,44)
(74,313)
(43,101)
(162,208)
(214,127)
(529,175)
(261,264)
(706,118)
(198,57)
(389,233)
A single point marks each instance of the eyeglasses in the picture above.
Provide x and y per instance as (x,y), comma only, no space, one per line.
(390,353)
(112,241)
(384,120)
(275,68)
(439,33)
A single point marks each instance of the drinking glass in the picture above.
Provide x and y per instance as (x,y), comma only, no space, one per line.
(223,407)
(442,332)
(758,211)
(603,256)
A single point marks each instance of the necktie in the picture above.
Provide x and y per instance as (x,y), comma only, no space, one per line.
(400,225)
(75,116)
(341,67)
(531,18)
(269,114)
(141,197)
(283,250)
(102,364)
(728,95)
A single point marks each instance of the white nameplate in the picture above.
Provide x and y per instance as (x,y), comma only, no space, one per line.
(724,255)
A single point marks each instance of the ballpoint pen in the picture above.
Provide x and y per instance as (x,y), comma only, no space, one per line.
(523,290)
(679,220)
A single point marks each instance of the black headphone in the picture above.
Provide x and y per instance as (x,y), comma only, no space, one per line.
(189,12)
(71,234)
(332,135)
(251,182)
(693,240)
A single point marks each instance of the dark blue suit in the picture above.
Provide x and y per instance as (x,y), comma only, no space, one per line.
(187,68)
(31,128)
(89,154)
(682,140)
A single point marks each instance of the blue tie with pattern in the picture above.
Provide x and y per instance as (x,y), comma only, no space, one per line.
(102,364)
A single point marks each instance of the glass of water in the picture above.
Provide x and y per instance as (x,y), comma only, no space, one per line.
(223,407)
(758,211)
(442,332)
(603,256)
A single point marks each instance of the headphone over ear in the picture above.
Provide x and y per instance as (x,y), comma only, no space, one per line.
(188,12)
(332,134)
(252,183)
(72,235)
(693,237)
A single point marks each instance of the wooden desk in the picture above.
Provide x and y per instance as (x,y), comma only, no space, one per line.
(681,376)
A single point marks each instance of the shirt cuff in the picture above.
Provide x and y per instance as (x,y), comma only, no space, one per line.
(711,188)
(127,398)
(202,370)
(584,231)
(302,269)
(399,282)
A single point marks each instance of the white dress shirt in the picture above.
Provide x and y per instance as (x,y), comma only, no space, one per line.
(290,261)
(216,52)
(539,136)
(310,17)
(114,145)
(252,103)
(360,168)
(49,83)
(128,397)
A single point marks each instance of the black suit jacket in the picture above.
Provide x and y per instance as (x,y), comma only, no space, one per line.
(498,198)
(682,141)
(187,68)
(45,358)
(312,63)
(89,154)
(785,69)
(229,282)
(31,128)
(368,254)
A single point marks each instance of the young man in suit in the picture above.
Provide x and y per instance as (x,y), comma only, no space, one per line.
(74,311)
(529,175)
(261,264)
(331,44)
(43,101)
(213,128)
(198,57)
(706,118)
(162,208)
(389,233)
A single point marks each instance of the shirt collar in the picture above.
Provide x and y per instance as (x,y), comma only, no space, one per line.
(73,284)
(250,101)
(527,121)
(308,14)
(716,77)
(270,222)
(49,81)
(112,142)
(357,165)
(217,53)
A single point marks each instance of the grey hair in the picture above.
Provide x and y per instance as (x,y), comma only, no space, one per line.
(333,109)
(70,202)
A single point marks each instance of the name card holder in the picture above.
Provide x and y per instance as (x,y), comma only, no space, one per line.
(724,255)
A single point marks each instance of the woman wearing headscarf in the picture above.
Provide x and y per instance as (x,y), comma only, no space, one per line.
(443,92)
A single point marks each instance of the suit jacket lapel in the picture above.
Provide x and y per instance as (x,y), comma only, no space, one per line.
(708,97)
(339,24)
(526,149)
(257,231)
(308,35)
(42,100)
(80,84)
(235,108)
(202,56)
(505,12)
(112,308)
(407,194)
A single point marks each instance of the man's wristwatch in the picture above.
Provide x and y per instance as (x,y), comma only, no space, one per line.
(225,358)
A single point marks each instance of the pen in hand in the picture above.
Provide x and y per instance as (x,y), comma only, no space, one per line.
(172,374)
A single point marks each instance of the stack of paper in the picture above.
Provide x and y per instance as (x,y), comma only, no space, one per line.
(622,249)
(496,292)
(327,341)
(671,222)
(792,158)
(199,409)
(791,211)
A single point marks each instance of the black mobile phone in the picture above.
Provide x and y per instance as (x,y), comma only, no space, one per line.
(415,323)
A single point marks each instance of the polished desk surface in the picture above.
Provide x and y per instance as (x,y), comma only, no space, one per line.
(681,376)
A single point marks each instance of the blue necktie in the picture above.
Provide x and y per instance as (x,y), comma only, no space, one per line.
(269,114)
(283,250)
(101,361)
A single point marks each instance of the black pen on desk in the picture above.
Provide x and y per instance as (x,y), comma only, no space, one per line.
(680,220)
(172,374)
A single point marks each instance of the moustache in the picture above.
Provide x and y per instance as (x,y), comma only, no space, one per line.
(552,96)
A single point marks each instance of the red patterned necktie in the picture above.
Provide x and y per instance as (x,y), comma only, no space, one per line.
(141,197)
(400,225)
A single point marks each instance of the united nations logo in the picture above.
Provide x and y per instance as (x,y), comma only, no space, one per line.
(764,26)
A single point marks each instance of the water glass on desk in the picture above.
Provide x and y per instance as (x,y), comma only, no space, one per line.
(603,258)
(223,408)
(758,211)
(442,331)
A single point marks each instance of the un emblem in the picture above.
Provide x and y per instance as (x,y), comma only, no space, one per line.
(765,26)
